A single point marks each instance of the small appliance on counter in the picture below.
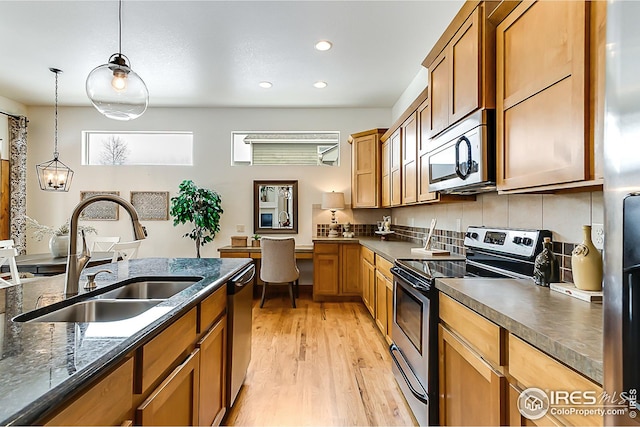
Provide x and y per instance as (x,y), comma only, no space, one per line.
(491,252)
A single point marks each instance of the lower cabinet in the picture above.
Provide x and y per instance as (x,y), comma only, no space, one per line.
(175,401)
(384,296)
(213,366)
(368,279)
(336,270)
(107,403)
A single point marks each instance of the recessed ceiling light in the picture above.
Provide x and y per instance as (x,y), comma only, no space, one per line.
(324,45)
(320,85)
(265,85)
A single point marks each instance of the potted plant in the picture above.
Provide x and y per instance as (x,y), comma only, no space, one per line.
(59,240)
(199,206)
(256,240)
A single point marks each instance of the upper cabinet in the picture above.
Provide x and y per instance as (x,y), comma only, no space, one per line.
(366,169)
(395,168)
(461,69)
(548,106)
(409,150)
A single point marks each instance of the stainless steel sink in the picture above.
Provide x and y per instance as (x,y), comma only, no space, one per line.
(149,289)
(95,310)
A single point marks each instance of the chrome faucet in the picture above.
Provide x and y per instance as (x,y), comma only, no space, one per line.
(77,262)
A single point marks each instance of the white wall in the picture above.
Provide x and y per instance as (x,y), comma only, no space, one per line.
(417,85)
(212,129)
(563,214)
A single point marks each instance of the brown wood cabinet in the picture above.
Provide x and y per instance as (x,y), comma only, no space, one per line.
(384,283)
(336,270)
(175,401)
(423,147)
(106,403)
(409,133)
(471,362)
(366,169)
(395,170)
(368,279)
(546,82)
(461,69)
(213,365)
(386,174)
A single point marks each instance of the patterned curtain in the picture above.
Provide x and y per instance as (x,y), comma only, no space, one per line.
(18,178)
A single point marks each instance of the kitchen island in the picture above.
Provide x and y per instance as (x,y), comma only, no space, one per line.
(45,364)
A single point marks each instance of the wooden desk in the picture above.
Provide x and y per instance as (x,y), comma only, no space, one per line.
(302,252)
(47,265)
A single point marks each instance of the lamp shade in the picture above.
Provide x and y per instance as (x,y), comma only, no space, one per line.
(117,91)
(333,200)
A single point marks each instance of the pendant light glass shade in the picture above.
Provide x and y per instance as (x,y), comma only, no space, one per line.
(54,175)
(116,90)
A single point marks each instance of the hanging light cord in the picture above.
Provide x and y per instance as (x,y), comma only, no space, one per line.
(120,27)
(55,134)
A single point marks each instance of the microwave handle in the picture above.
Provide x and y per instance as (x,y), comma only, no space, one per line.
(469,161)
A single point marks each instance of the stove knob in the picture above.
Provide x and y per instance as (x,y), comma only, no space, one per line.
(527,241)
(517,240)
(470,235)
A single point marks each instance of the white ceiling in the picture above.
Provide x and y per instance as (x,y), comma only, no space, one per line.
(214,53)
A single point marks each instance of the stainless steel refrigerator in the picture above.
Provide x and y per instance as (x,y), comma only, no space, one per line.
(622,209)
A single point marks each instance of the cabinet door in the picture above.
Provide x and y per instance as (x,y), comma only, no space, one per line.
(516,418)
(389,309)
(368,286)
(366,172)
(424,146)
(471,391)
(175,401)
(542,100)
(350,269)
(464,67)
(213,365)
(326,264)
(409,150)
(381,302)
(386,174)
(439,93)
(396,167)
(108,402)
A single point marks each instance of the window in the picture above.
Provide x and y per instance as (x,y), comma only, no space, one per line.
(286,148)
(137,148)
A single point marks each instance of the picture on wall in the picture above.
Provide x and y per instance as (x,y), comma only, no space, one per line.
(100,211)
(151,205)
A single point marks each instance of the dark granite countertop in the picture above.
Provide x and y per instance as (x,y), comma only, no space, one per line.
(42,363)
(566,328)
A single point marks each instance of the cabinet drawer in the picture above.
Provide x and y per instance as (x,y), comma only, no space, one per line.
(484,336)
(108,402)
(211,308)
(384,266)
(533,368)
(367,254)
(326,248)
(160,354)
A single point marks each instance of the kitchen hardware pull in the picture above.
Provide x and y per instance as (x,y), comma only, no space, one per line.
(422,397)
(240,281)
(469,162)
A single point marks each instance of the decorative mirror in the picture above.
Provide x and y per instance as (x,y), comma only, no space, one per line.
(275,207)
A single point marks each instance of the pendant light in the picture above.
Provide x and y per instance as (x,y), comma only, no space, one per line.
(54,175)
(114,88)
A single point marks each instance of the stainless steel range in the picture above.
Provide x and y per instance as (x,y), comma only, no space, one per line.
(490,252)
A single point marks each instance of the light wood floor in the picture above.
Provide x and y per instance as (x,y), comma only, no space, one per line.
(319,364)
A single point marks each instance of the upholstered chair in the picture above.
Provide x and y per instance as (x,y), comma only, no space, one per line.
(278,265)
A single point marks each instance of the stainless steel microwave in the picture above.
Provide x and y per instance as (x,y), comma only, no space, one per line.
(464,160)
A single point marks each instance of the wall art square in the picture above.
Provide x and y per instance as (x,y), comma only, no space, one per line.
(151,205)
(100,211)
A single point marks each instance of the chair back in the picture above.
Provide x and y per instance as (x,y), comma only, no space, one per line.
(278,262)
(103,243)
(8,254)
(125,250)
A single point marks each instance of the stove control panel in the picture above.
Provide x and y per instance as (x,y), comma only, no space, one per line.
(509,241)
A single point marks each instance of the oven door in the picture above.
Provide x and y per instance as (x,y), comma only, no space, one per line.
(414,343)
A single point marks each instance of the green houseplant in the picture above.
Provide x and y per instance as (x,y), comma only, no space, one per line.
(201,207)
(256,240)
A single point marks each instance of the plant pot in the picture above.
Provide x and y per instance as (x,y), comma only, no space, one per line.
(59,246)
(255,243)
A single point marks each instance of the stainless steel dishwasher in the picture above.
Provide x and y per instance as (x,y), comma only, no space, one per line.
(239,324)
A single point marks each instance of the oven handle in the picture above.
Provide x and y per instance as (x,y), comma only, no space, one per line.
(422,397)
(469,161)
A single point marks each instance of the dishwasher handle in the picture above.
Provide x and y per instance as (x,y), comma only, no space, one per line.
(244,277)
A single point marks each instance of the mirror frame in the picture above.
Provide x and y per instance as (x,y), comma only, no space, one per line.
(256,207)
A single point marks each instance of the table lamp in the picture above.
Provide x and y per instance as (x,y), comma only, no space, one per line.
(333,201)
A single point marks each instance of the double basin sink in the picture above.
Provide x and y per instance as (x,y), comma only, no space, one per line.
(121,301)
